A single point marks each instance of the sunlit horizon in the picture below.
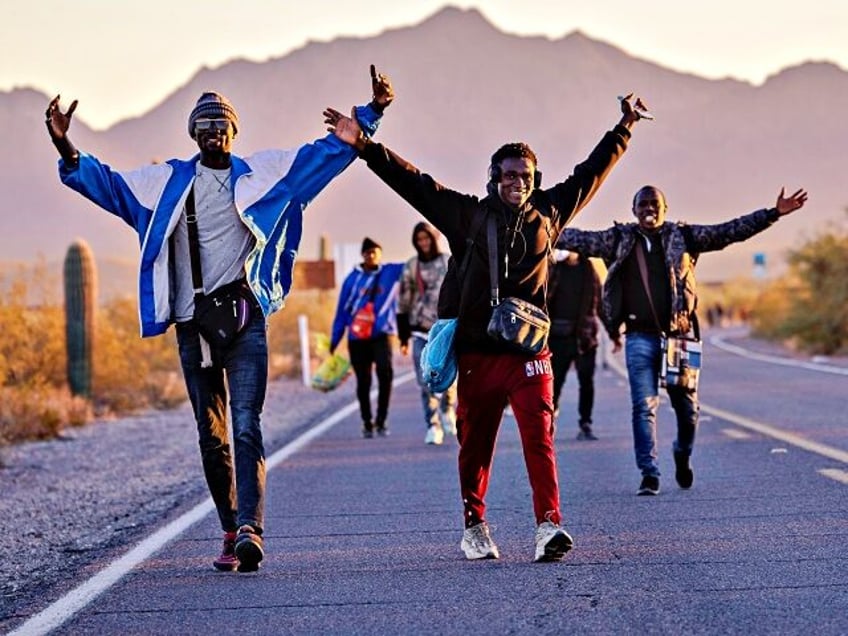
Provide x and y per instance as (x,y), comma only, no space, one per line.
(85,50)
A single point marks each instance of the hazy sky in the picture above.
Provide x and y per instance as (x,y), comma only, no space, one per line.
(120,58)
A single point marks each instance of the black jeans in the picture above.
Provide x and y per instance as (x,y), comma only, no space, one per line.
(365,355)
(564,352)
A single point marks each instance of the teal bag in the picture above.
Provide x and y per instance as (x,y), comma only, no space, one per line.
(438,358)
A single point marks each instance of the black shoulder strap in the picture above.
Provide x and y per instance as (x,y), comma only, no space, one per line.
(193,243)
(492,231)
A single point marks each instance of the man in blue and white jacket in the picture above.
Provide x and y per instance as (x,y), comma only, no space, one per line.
(249,213)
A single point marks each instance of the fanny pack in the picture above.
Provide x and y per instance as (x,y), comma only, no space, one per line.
(520,324)
(224,313)
(515,322)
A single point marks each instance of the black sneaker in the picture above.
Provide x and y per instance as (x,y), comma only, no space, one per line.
(650,486)
(683,472)
(367,430)
(383,430)
(248,549)
(586,434)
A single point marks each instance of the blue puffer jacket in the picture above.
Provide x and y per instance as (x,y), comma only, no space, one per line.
(357,291)
(270,190)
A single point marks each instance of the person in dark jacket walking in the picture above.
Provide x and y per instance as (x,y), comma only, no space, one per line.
(527,219)
(418,309)
(574,301)
(670,252)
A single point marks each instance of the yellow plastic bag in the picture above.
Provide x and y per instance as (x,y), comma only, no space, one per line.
(331,373)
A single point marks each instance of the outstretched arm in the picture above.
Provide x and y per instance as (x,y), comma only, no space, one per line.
(711,238)
(58,124)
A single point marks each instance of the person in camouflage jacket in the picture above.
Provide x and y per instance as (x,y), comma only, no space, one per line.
(671,251)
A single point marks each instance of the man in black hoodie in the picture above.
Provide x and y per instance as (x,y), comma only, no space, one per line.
(527,219)
(418,307)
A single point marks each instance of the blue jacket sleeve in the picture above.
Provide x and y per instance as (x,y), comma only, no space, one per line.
(343,312)
(123,194)
(319,162)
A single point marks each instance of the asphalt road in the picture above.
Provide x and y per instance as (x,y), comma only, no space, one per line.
(363,535)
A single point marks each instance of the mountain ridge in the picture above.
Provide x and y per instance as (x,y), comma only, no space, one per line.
(719,148)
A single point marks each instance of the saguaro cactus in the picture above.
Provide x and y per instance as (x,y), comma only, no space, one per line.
(80,274)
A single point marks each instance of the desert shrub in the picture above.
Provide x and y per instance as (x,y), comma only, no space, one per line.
(810,304)
(129,373)
(283,338)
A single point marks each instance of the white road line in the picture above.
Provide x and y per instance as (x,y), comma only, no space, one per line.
(759,427)
(776,433)
(736,433)
(77,599)
(835,473)
(718,342)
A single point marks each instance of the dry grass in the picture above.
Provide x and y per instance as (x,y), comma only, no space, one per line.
(129,373)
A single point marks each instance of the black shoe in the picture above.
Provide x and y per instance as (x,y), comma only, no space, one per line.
(683,472)
(248,549)
(586,434)
(367,430)
(382,431)
(650,486)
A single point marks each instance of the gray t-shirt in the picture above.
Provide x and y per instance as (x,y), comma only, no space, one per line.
(225,241)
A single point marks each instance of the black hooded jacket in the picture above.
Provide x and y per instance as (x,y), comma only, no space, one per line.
(458,215)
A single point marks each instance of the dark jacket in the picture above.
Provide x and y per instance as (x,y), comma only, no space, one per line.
(588,304)
(682,243)
(457,215)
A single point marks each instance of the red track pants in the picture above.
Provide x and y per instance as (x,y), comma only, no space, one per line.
(486,383)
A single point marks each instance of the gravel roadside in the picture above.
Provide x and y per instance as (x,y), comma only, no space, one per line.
(60,509)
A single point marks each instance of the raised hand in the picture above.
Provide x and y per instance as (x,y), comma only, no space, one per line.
(345,128)
(793,202)
(381,90)
(58,122)
(633,112)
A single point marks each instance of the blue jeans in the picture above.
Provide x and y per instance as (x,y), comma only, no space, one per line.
(245,363)
(431,401)
(643,356)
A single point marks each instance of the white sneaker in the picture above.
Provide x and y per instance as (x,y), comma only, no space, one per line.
(448,421)
(435,435)
(552,542)
(477,543)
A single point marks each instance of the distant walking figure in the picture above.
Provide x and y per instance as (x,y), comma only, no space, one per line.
(574,301)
